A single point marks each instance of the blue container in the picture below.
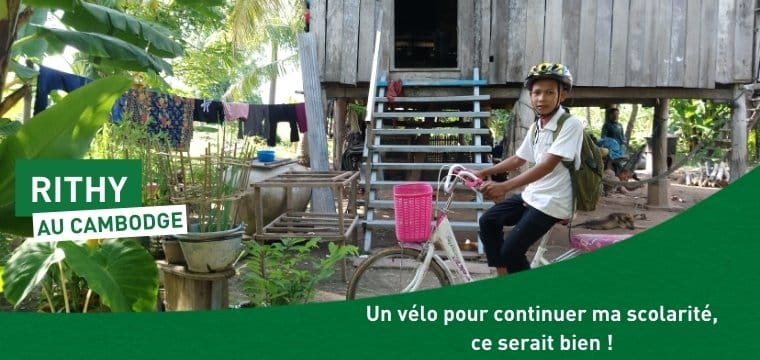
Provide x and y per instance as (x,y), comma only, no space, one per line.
(265,155)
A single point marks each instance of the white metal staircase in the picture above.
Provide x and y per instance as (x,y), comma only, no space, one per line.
(413,138)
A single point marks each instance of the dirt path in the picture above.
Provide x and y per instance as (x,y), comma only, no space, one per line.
(682,197)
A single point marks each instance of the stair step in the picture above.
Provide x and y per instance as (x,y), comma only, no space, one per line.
(388,204)
(390,224)
(422,114)
(425,166)
(432,148)
(453,82)
(431,99)
(435,131)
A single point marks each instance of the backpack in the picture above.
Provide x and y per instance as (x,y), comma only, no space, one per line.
(587,180)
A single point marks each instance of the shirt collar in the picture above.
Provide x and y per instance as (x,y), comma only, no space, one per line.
(552,124)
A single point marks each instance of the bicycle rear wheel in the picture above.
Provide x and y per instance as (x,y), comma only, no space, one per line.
(390,271)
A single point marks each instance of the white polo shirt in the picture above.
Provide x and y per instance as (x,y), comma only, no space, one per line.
(553,193)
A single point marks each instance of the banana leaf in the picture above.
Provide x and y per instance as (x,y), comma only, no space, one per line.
(27,268)
(64,131)
(122,272)
(52,4)
(100,19)
(24,73)
(117,51)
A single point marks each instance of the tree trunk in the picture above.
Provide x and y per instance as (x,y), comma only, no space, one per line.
(8,28)
(273,77)
(631,122)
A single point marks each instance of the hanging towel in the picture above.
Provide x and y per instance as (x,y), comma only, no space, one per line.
(51,79)
(234,111)
(301,117)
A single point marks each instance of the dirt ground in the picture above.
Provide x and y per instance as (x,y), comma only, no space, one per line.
(635,202)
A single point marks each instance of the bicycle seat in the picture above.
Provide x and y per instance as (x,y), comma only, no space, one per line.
(590,242)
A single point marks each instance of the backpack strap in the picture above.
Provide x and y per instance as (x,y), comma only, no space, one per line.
(570,165)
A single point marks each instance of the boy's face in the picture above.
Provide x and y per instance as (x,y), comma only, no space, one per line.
(545,95)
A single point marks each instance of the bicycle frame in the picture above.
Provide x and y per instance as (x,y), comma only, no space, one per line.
(443,233)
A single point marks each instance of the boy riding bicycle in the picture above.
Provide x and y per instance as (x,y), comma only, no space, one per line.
(548,197)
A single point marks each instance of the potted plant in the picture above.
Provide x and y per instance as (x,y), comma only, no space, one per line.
(209,185)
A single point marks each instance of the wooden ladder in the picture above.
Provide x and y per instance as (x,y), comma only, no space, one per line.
(402,141)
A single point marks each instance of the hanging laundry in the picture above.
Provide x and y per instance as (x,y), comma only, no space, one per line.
(208,111)
(279,113)
(234,111)
(253,125)
(301,117)
(51,79)
(117,111)
(163,113)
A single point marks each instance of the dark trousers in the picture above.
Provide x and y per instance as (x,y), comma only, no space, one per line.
(528,225)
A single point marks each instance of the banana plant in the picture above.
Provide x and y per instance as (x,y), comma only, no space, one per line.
(63,131)
(121,272)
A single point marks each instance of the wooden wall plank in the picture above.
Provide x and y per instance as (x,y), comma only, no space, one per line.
(587,44)
(724,64)
(498,70)
(641,44)
(662,29)
(534,52)
(516,41)
(691,60)
(708,43)
(571,28)
(318,12)
(485,39)
(553,31)
(743,41)
(367,30)
(619,53)
(466,38)
(602,43)
(350,43)
(677,44)
(334,40)
(387,34)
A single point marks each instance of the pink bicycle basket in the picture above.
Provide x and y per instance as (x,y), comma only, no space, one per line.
(413,206)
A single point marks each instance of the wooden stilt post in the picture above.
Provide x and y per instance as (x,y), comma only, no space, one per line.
(322,199)
(738,133)
(657,192)
(339,117)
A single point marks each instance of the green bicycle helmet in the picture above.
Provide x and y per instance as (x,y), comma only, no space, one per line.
(554,71)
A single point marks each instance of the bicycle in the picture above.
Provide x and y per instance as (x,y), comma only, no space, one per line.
(414,265)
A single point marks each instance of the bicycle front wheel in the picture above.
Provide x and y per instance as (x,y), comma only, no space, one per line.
(390,271)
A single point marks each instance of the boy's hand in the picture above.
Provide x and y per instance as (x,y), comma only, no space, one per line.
(494,191)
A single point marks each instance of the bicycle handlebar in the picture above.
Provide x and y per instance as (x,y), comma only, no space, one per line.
(460,173)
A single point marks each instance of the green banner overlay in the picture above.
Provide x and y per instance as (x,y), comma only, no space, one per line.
(686,289)
(66,185)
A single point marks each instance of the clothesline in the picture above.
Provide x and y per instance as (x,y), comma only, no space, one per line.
(174,115)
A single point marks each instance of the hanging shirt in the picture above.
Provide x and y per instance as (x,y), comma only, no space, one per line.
(163,113)
(234,111)
(208,111)
(51,79)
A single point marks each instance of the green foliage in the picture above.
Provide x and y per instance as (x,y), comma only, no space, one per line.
(63,131)
(210,69)
(696,120)
(106,50)
(499,122)
(100,19)
(130,140)
(121,272)
(287,273)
